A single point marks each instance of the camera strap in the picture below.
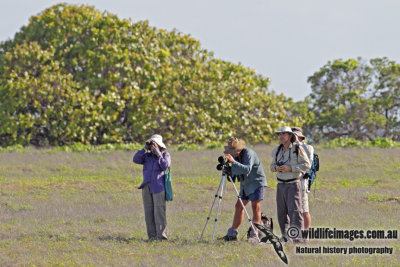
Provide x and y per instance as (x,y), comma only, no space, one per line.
(283,154)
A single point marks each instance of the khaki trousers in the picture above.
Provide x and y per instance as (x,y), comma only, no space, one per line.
(289,210)
(155,214)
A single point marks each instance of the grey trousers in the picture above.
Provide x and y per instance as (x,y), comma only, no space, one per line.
(289,210)
(155,214)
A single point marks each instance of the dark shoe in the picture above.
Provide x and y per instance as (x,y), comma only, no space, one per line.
(229,238)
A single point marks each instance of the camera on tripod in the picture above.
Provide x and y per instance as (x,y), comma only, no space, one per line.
(225,166)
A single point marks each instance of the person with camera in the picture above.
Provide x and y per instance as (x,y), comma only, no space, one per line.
(298,132)
(290,162)
(245,164)
(155,162)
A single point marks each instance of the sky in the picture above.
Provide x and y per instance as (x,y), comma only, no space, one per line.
(284,40)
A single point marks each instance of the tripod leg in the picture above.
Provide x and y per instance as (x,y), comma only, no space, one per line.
(209,213)
(248,217)
(219,204)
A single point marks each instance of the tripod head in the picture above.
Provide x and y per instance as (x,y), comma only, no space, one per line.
(226,167)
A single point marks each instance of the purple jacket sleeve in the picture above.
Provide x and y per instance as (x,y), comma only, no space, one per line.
(139,156)
(164,161)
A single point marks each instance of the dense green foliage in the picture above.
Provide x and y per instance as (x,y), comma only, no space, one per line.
(353,98)
(380,142)
(74,74)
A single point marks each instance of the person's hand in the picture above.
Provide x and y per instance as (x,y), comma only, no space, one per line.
(285,168)
(277,168)
(155,150)
(229,158)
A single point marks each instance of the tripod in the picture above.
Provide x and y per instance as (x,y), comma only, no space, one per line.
(219,195)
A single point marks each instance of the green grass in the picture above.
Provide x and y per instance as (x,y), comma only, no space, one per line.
(62,208)
(381,198)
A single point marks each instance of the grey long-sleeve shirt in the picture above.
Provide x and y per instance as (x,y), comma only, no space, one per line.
(309,151)
(250,166)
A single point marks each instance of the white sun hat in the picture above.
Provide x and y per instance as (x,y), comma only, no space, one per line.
(158,139)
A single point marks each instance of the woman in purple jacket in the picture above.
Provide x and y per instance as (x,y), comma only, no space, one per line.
(155,161)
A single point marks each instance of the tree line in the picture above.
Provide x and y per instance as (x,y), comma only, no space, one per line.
(354,98)
(77,75)
(74,74)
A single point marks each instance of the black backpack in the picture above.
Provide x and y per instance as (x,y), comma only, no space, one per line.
(266,221)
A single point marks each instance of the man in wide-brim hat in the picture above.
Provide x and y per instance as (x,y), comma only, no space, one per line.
(285,130)
(289,161)
(246,164)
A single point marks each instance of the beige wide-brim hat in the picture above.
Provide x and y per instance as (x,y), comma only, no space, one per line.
(158,139)
(234,145)
(285,129)
(299,134)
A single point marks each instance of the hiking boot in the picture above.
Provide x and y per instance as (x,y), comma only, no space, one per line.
(231,235)
(229,238)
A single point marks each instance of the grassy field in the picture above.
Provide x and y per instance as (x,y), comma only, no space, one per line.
(63,209)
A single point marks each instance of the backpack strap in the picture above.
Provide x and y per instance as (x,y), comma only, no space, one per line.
(169,170)
(277,152)
(296,151)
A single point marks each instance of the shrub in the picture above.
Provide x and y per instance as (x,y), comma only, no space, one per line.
(345,142)
(383,142)
(76,75)
(351,142)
